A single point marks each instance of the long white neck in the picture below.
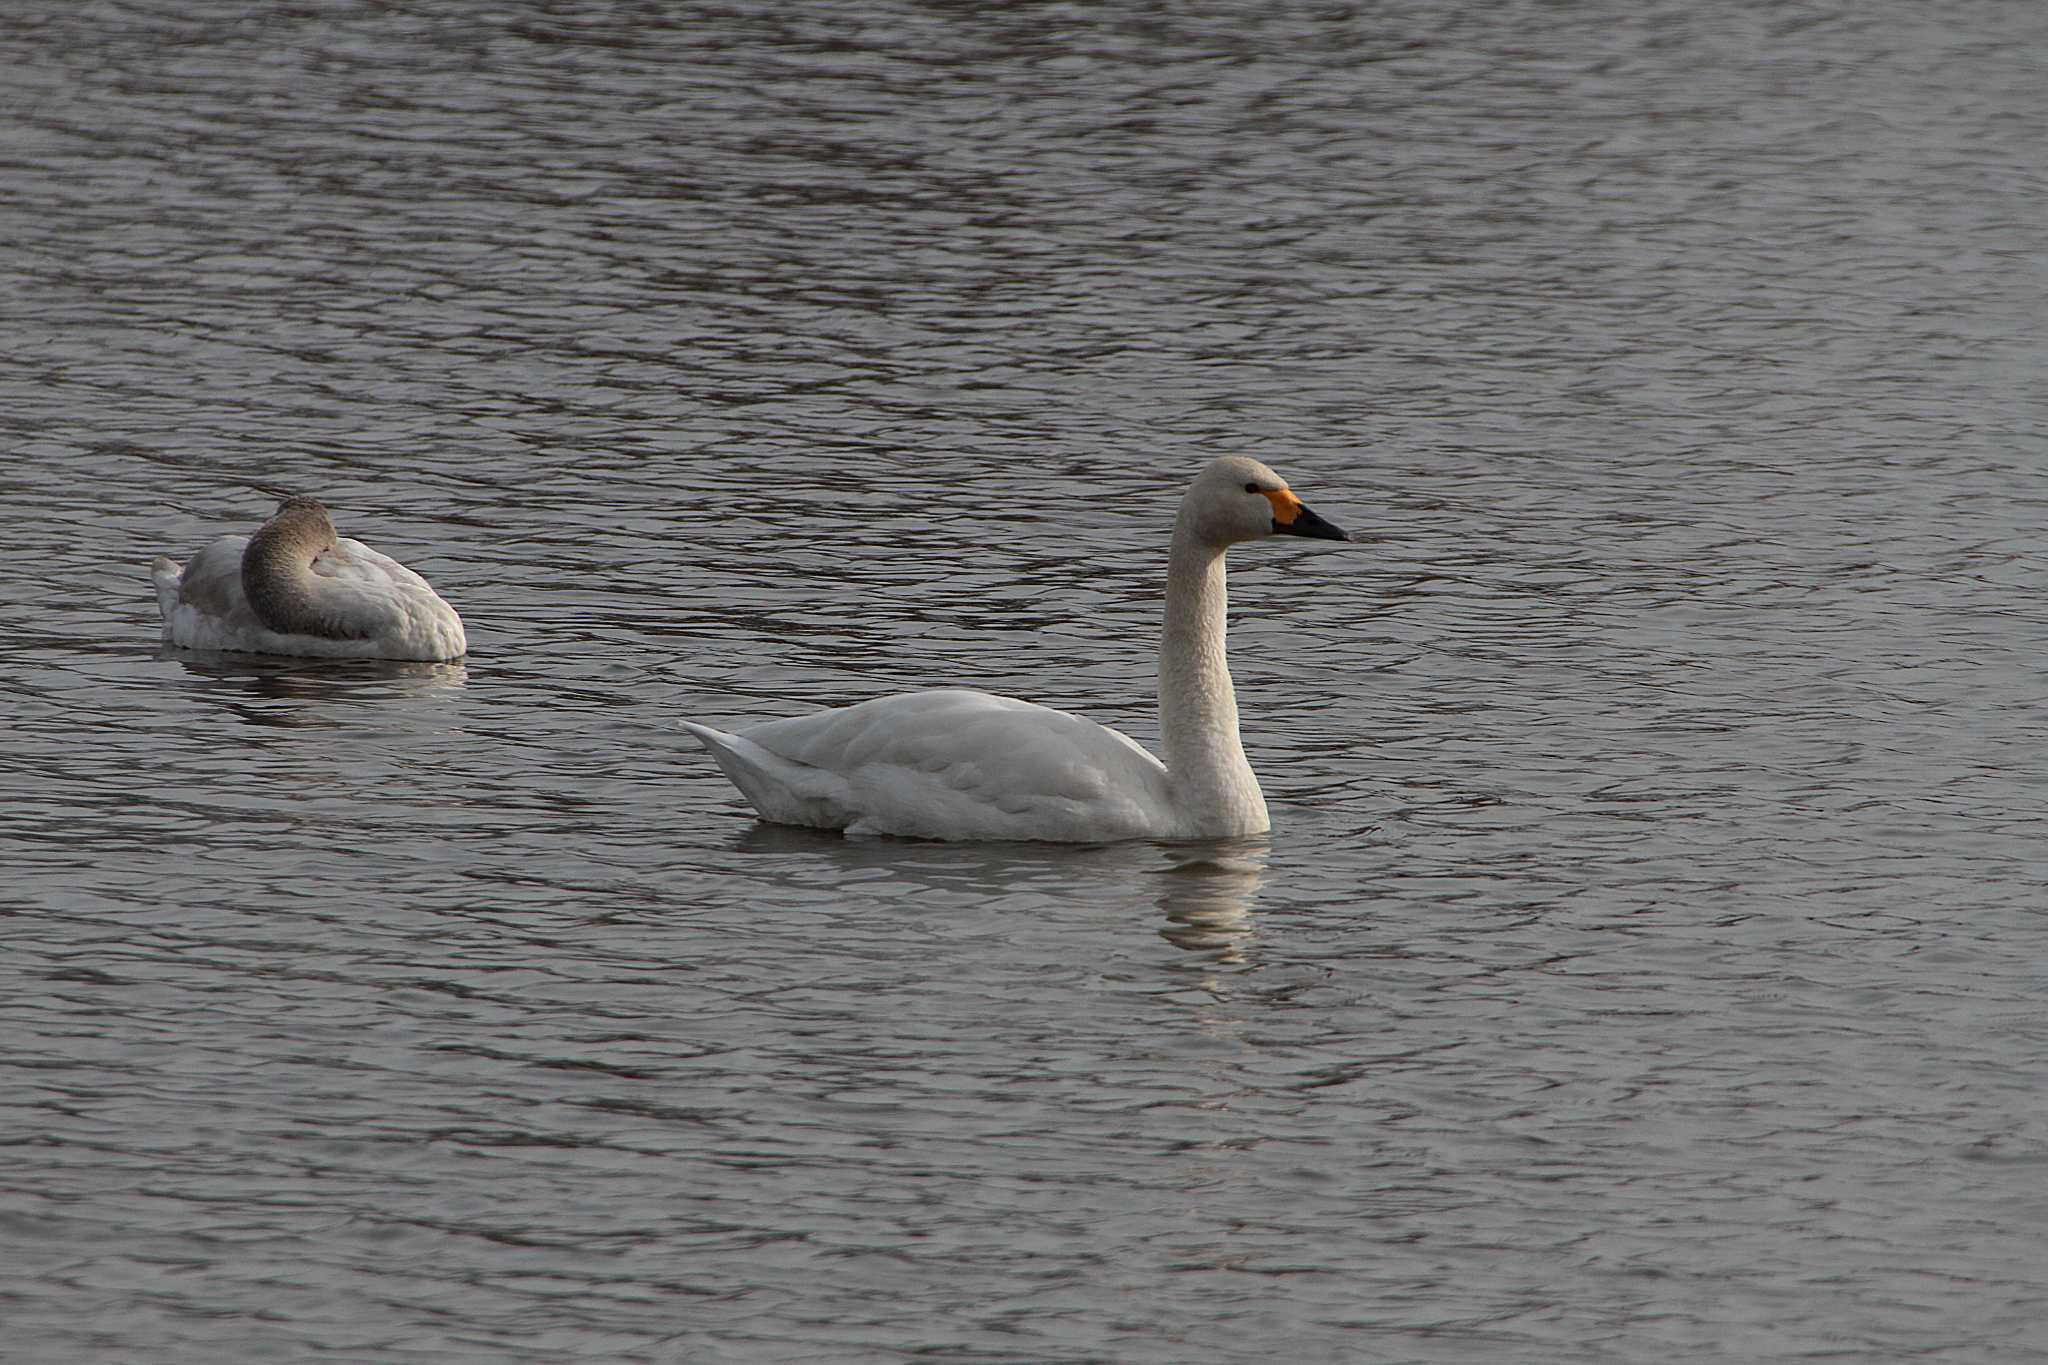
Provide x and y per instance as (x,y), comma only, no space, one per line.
(1214,790)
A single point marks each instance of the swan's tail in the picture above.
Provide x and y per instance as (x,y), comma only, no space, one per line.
(781,790)
(169,576)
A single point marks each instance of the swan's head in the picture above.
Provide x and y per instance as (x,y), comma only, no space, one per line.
(1237,499)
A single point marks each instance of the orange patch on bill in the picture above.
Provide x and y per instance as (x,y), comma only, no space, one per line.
(1286,507)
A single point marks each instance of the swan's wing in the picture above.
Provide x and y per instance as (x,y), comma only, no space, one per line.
(958,764)
(394,605)
(203,605)
(210,583)
(350,563)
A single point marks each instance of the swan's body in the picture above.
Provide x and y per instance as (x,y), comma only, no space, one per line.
(951,764)
(296,588)
(956,764)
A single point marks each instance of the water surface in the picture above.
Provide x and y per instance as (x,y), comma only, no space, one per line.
(1645,963)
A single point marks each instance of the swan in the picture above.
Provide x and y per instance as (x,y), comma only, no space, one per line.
(296,588)
(960,764)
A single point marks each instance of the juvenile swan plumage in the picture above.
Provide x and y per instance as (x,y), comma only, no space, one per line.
(296,588)
(956,764)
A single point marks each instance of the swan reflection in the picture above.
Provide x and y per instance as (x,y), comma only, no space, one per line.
(995,870)
(271,678)
(1210,890)
(1206,889)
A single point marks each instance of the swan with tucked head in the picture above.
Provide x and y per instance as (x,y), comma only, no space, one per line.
(296,588)
(958,764)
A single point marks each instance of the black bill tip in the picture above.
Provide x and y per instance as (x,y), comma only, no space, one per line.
(1307,523)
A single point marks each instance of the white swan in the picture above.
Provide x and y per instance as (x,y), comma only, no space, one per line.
(296,588)
(955,764)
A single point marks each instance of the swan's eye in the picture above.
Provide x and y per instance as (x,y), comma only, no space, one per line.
(1251,488)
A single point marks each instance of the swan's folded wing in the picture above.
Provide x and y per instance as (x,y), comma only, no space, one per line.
(211,581)
(390,602)
(202,602)
(355,564)
(962,764)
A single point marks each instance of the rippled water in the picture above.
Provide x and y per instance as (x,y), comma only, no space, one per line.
(1647,959)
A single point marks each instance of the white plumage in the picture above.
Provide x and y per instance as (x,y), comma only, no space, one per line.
(958,764)
(296,588)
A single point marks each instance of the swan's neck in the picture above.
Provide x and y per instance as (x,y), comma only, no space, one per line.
(278,578)
(1213,787)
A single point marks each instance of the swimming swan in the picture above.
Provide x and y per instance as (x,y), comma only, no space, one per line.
(296,588)
(956,764)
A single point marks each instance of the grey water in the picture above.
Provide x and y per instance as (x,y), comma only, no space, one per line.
(1647,959)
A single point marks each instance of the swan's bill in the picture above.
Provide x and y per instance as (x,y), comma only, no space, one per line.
(1292,517)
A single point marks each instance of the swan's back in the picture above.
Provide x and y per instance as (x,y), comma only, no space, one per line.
(949,764)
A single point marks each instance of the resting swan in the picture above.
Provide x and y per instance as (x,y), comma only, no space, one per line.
(296,588)
(957,764)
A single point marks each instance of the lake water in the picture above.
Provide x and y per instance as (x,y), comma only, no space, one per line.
(1647,962)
